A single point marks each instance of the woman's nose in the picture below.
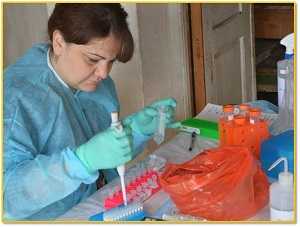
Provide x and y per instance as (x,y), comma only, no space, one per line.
(101,71)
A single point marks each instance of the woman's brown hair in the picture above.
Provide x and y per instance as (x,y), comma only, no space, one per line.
(81,22)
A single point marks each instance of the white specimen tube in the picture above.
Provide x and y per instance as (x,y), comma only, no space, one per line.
(159,135)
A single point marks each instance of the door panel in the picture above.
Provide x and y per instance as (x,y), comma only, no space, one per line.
(227,83)
(224,12)
(228,53)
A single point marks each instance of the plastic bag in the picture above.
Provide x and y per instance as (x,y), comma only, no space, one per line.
(218,184)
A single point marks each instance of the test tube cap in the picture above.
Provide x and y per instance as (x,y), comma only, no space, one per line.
(228,108)
(244,106)
(254,112)
(114,117)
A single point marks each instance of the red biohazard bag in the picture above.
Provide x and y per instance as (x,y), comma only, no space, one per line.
(218,184)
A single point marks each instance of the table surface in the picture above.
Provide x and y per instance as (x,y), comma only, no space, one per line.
(175,151)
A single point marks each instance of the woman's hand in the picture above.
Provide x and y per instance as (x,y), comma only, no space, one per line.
(146,121)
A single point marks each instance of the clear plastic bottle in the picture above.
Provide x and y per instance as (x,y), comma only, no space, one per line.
(254,115)
(282,194)
(285,83)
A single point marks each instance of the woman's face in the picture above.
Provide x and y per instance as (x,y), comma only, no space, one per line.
(84,66)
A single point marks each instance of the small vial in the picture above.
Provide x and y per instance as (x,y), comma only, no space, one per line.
(159,136)
(115,123)
(254,115)
(228,112)
(244,110)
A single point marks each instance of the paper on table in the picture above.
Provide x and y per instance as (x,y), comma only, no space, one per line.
(211,112)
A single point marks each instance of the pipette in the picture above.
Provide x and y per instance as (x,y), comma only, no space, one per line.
(121,169)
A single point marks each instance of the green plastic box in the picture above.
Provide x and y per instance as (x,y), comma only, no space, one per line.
(203,128)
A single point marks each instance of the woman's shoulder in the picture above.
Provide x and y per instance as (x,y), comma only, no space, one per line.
(31,66)
(21,88)
(29,94)
(30,73)
(36,55)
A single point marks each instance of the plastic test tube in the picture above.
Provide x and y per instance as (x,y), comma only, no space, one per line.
(159,136)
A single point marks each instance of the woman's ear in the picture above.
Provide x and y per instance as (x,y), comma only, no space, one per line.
(58,43)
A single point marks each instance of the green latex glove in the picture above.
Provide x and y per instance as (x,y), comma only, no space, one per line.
(106,150)
(146,121)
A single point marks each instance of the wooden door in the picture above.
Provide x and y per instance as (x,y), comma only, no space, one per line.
(228,53)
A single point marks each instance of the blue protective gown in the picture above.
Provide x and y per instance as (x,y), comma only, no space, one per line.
(44,122)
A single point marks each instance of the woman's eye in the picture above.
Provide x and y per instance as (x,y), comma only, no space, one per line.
(93,60)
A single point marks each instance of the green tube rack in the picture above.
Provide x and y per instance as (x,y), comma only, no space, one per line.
(202,127)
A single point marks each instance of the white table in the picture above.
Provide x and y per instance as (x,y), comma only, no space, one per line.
(175,151)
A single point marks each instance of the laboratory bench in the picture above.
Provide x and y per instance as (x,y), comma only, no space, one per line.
(174,151)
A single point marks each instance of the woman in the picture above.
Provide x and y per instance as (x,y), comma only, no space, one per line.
(58,100)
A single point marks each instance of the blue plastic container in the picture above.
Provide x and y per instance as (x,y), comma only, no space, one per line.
(278,146)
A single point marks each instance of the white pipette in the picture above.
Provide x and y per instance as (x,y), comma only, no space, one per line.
(121,169)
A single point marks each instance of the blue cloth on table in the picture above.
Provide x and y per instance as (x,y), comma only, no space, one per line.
(265,106)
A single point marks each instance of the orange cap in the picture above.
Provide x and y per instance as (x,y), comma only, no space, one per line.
(227,108)
(240,120)
(244,106)
(254,112)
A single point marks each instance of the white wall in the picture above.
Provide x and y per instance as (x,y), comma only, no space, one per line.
(23,25)
(128,77)
(163,32)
